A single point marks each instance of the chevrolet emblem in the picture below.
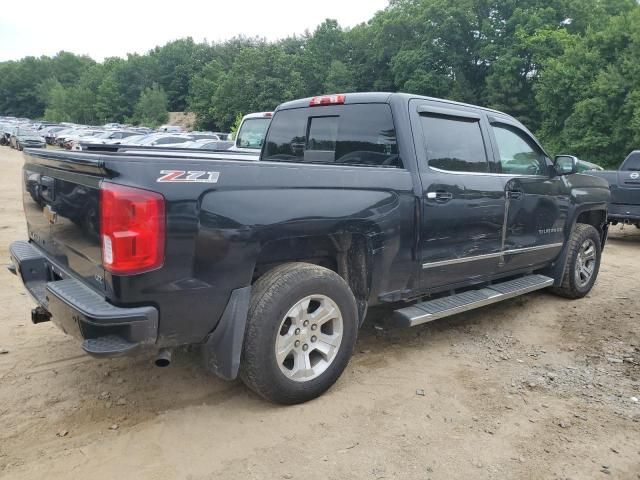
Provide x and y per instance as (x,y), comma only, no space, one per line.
(50,215)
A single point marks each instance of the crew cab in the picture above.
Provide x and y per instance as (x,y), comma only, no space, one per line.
(625,190)
(426,206)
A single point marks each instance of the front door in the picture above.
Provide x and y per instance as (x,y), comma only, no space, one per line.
(536,201)
(463,201)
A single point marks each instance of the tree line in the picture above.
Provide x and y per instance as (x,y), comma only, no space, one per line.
(568,69)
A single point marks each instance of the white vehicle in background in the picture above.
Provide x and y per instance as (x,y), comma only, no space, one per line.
(160,140)
(251,133)
(170,129)
(110,137)
(205,144)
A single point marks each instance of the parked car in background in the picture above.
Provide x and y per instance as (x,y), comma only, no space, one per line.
(63,134)
(22,138)
(223,135)
(170,129)
(251,132)
(114,137)
(5,133)
(50,133)
(584,166)
(625,190)
(206,144)
(159,139)
(204,136)
(71,139)
(39,126)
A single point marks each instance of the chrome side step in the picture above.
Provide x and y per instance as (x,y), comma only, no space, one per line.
(443,307)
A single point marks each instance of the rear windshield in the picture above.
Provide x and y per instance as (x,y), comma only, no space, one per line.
(252,131)
(632,163)
(360,134)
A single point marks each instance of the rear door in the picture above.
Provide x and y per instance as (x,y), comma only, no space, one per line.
(463,201)
(536,201)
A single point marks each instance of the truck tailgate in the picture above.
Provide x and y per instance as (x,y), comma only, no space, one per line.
(61,196)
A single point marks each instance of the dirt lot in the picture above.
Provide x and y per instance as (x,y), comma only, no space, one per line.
(538,387)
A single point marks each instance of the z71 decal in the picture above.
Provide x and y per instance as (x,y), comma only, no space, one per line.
(182,176)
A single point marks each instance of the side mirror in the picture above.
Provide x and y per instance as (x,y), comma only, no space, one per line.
(565,164)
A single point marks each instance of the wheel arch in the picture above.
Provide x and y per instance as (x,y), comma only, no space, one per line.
(348,254)
(594,215)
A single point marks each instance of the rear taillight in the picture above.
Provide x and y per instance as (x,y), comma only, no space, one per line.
(131,228)
(327,100)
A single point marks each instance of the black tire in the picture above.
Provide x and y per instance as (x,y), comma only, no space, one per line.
(273,295)
(571,286)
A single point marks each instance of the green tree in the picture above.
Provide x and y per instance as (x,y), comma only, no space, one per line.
(339,78)
(201,92)
(57,104)
(236,126)
(259,79)
(111,105)
(152,107)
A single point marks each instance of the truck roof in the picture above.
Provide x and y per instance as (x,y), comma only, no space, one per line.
(384,97)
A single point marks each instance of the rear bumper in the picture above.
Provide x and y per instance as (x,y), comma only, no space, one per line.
(78,310)
(624,213)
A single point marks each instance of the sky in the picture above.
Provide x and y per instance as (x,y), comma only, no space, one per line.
(116,27)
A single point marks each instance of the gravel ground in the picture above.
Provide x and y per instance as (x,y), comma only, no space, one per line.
(536,387)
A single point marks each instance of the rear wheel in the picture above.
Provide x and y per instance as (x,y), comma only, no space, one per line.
(301,330)
(583,262)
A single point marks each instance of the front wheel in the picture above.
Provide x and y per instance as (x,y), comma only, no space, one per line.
(301,330)
(583,262)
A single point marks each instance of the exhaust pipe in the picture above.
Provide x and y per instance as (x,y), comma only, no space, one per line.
(164,358)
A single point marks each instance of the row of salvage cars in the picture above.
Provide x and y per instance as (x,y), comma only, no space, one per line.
(20,133)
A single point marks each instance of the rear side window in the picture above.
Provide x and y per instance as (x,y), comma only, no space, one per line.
(454,144)
(359,134)
(632,163)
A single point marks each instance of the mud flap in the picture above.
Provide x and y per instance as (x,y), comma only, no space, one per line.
(222,350)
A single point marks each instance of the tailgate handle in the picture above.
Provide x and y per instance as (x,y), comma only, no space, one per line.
(47,190)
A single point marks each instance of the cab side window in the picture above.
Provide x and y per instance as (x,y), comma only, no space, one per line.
(519,155)
(454,144)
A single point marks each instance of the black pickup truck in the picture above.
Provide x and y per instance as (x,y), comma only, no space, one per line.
(429,206)
(625,190)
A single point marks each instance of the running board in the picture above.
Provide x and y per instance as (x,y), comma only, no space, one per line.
(443,307)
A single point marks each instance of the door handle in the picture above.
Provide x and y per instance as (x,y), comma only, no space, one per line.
(515,194)
(440,196)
